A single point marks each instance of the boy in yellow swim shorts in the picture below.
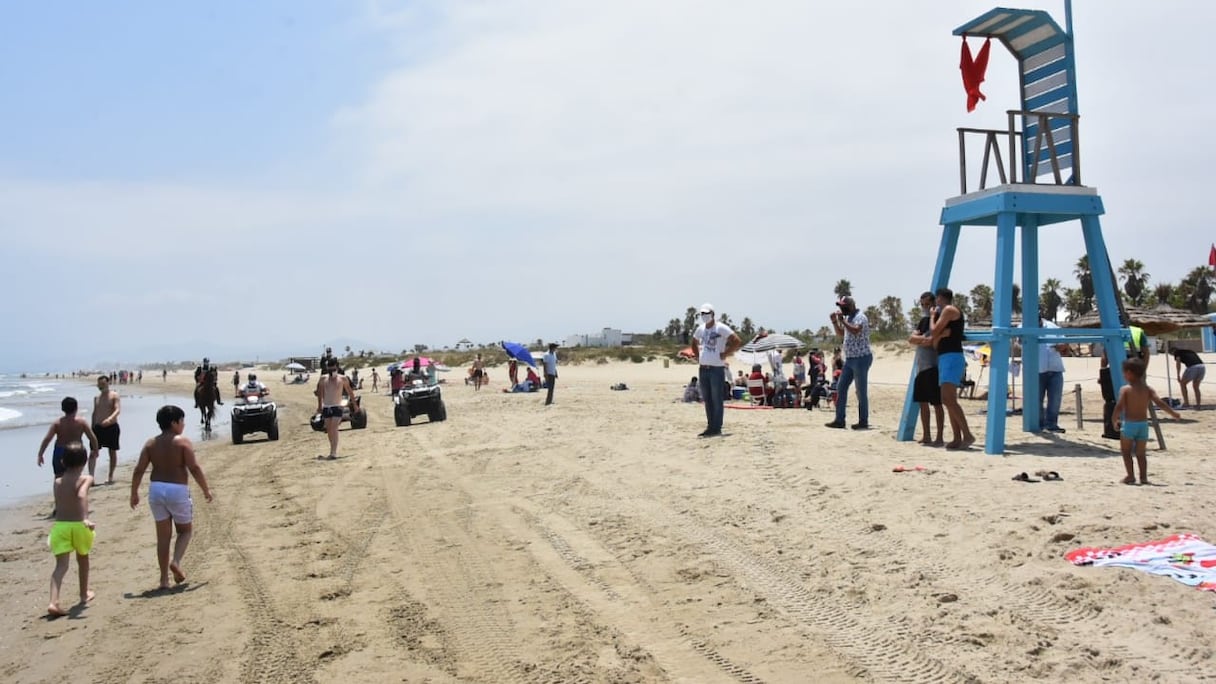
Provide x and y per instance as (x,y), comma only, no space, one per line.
(72,531)
(1131,418)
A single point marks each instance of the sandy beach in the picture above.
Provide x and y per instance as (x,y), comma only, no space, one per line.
(598,540)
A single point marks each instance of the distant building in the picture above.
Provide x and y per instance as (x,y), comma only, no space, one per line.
(464,345)
(608,337)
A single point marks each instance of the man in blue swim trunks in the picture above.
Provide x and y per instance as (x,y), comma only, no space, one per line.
(67,430)
(946,325)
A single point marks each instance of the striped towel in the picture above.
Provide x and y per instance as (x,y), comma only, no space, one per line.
(1185,558)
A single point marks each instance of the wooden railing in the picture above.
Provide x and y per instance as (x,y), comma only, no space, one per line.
(1007,166)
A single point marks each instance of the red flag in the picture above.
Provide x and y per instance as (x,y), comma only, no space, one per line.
(973,72)
(1212,256)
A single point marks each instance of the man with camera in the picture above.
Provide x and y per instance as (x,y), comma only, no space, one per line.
(851,324)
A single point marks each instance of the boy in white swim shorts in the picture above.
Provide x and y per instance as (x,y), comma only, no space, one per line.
(171,456)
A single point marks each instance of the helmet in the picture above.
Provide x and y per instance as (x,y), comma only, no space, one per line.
(253,378)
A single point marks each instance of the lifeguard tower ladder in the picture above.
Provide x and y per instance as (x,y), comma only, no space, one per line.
(1040,185)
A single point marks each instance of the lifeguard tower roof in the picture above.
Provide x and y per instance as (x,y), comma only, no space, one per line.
(1024,32)
(1042,50)
(1047,79)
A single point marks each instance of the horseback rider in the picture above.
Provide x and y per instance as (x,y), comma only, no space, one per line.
(208,375)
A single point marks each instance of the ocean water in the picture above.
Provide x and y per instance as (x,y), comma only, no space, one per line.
(29,405)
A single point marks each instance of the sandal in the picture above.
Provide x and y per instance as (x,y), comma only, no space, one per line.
(1023,477)
(1049,475)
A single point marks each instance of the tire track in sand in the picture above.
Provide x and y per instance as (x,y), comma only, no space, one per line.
(459,581)
(880,648)
(1031,604)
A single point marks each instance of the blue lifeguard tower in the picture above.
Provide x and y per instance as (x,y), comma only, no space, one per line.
(1039,187)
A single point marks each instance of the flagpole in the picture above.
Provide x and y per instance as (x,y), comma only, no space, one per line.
(1068,17)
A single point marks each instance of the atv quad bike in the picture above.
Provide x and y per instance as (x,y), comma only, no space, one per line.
(254,412)
(417,398)
(357,419)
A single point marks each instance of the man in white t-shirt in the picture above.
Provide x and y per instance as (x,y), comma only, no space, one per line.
(550,362)
(713,343)
(777,363)
(1051,382)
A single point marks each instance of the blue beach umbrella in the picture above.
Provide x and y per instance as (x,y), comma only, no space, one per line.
(519,353)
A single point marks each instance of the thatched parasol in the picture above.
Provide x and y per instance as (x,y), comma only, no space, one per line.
(1158,320)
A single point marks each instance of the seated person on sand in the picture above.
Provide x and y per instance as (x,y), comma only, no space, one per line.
(534,380)
(692,393)
(740,381)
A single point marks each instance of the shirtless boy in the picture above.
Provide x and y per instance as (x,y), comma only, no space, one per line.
(171,456)
(1131,418)
(106,407)
(67,430)
(329,392)
(479,372)
(72,531)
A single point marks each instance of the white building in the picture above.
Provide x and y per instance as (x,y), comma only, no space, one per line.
(608,337)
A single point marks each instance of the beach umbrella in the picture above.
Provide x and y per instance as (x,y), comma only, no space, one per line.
(772,341)
(519,353)
(293,366)
(757,350)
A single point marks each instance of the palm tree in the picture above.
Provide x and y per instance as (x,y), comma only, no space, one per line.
(843,288)
(690,320)
(1197,288)
(1085,278)
(981,302)
(1134,280)
(896,325)
(1074,303)
(1050,299)
(963,303)
(1163,293)
(874,316)
(747,329)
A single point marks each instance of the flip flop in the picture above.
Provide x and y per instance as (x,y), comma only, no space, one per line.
(1049,475)
(1023,477)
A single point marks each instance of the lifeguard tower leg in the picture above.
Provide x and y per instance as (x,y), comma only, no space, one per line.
(941,278)
(1002,315)
(1104,293)
(1032,420)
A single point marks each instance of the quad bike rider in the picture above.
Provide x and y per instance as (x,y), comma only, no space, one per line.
(254,412)
(254,388)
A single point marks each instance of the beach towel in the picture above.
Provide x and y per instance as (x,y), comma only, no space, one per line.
(1185,558)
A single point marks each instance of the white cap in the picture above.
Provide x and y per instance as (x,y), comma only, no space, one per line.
(707,308)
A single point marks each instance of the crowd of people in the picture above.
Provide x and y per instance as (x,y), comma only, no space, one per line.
(939,379)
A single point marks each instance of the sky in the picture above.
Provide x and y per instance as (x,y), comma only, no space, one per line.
(180,180)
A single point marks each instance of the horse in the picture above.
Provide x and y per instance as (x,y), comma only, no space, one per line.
(205,396)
